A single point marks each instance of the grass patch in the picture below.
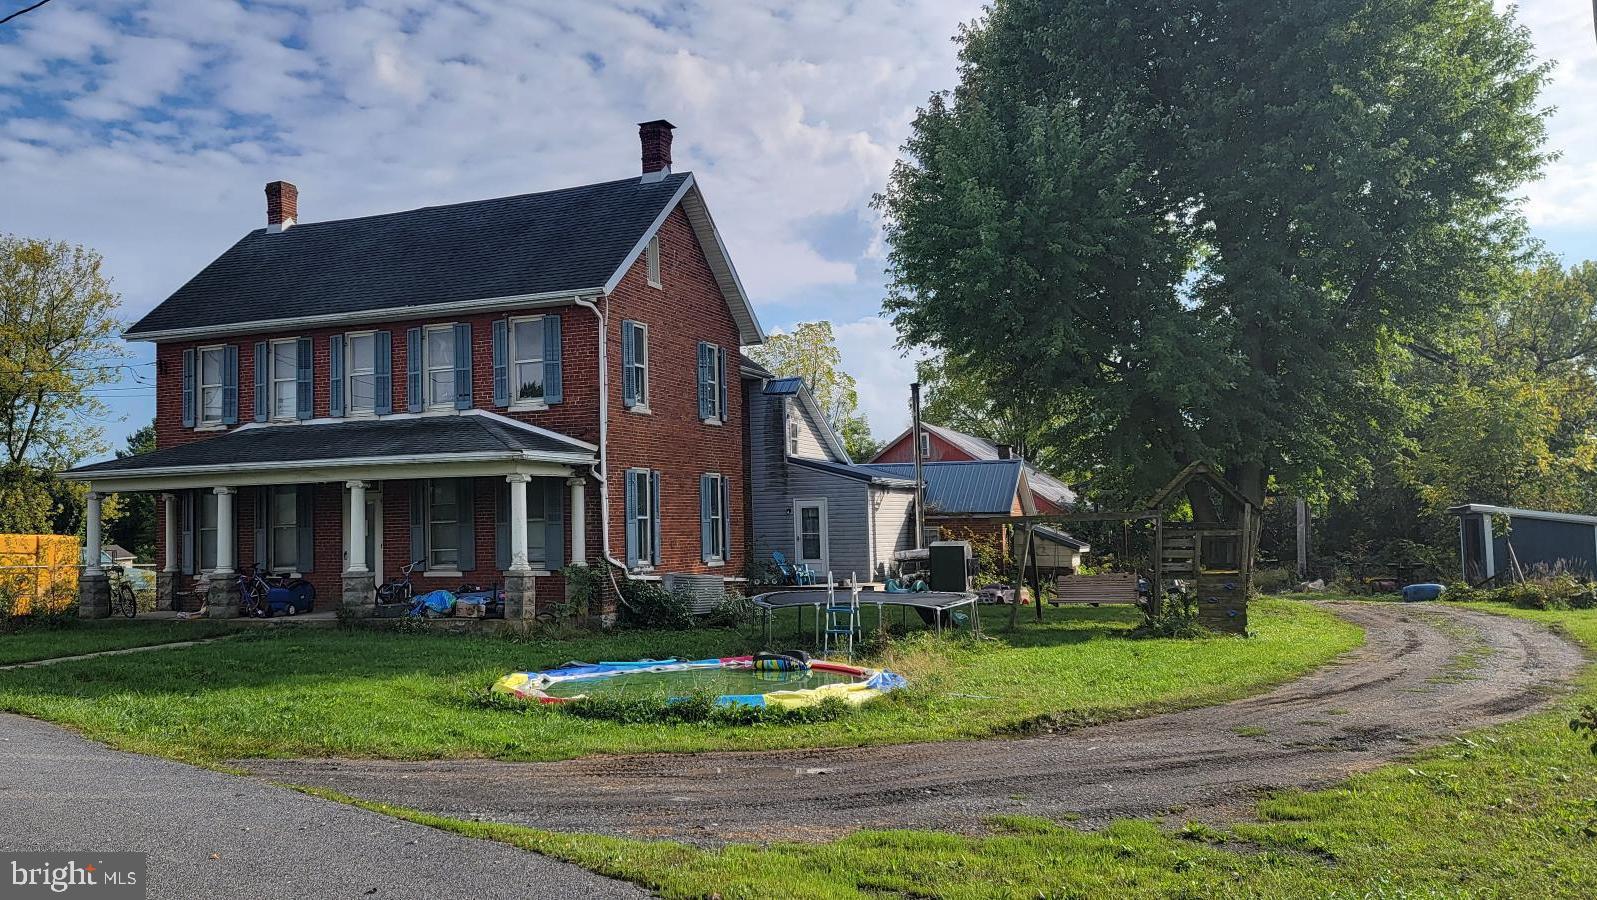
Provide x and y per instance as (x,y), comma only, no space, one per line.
(74,637)
(1507,812)
(329,692)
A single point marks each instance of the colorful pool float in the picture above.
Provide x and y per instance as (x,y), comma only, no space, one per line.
(731,676)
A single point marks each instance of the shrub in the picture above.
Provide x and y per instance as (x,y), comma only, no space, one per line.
(647,604)
(1274,580)
(1178,618)
(585,583)
(1555,591)
(1585,725)
(734,611)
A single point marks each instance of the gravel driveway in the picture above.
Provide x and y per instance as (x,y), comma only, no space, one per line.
(1425,673)
(212,836)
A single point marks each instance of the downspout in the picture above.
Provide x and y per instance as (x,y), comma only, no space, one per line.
(602,471)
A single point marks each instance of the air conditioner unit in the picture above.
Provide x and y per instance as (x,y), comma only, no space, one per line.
(707,591)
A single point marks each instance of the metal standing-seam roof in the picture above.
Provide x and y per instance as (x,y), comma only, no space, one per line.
(783,387)
(966,487)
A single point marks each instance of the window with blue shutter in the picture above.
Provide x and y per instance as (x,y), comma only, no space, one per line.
(263,393)
(304,381)
(633,495)
(720,380)
(188,388)
(713,529)
(643,518)
(305,528)
(383,373)
(726,518)
(463,365)
(335,375)
(654,512)
(418,523)
(413,366)
(706,381)
(634,364)
(553,369)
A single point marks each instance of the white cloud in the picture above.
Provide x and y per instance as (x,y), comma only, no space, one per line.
(881,371)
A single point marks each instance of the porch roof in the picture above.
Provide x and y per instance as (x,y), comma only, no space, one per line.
(473,436)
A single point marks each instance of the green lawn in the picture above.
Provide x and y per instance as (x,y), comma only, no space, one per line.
(1508,812)
(328,692)
(93,636)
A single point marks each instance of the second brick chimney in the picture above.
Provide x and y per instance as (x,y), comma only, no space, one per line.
(656,140)
(282,205)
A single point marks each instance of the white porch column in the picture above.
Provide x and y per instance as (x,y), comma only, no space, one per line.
(579,523)
(169,502)
(224,531)
(518,522)
(91,537)
(357,526)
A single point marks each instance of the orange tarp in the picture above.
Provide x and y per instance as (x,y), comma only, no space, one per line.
(38,572)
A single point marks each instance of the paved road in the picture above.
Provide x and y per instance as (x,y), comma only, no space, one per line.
(59,791)
(1425,673)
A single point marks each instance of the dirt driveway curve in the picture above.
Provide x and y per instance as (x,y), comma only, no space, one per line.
(1424,674)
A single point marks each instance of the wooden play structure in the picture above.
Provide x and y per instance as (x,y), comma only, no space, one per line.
(1207,562)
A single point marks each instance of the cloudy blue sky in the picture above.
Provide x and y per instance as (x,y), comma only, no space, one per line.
(146,129)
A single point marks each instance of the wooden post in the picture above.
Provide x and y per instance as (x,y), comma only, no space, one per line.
(1036,577)
(1303,539)
(1020,576)
(1156,574)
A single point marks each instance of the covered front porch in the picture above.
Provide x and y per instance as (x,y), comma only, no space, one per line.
(475,499)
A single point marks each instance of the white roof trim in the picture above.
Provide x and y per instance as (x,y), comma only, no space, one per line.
(1516,512)
(366,316)
(691,199)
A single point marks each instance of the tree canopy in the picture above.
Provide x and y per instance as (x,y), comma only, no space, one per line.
(810,352)
(60,334)
(1211,228)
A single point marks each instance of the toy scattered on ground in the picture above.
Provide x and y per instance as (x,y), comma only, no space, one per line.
(781,680)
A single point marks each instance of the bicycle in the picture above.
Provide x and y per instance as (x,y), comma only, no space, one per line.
(252,590)
(400,590)
(122,599)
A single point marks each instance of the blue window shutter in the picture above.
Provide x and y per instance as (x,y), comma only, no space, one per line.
(418,524)
(263,369)
(463,365)
(654,515)
(720,370)
(502,528)
(263,496)
(501,352)
(706,544)
(305,526)
(304,381)
(413,398)
(726,518)
(383,372)
(468,524)
(230,384)
(335,375)
(706,367)
(553,368)
(629,356)
(188,388)
(554,528)
(632,520)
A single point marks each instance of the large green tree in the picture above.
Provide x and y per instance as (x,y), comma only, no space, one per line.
(1210,227)
(810,352)
(60,334)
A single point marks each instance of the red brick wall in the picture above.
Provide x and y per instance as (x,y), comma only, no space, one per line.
(672,439)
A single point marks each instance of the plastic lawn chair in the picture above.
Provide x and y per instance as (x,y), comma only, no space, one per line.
(799,575)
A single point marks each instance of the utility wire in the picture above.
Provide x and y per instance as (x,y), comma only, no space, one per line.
(25,9)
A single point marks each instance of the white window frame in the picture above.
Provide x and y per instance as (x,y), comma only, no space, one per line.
(640,363)
(274,378)
(429,366)
(432,528)
(514,359)
(651,255)
(350,374)
(718,531)
(643,518)
(793,430)
(201,384)
(925,444)
(274,524)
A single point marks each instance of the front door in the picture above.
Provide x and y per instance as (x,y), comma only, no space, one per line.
(809,536)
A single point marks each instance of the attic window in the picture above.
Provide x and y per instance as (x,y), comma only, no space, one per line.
(652,255)
(925,445)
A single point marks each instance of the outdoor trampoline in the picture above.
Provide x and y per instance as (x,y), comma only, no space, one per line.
(935,608)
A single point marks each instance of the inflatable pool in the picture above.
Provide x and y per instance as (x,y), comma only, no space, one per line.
(733,679)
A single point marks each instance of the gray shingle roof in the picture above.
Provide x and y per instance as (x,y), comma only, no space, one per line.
(969,487)
(336,442)
(571,239)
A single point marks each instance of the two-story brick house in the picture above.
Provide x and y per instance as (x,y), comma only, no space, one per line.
(492,389)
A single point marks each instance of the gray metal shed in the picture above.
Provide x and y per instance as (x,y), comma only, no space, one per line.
(1505,540)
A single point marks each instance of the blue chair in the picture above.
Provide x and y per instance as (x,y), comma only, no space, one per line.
(798,574)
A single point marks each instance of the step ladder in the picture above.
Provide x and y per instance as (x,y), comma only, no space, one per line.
(842,618)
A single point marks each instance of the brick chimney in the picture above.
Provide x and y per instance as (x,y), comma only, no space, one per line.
(282,205)
(656,139)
